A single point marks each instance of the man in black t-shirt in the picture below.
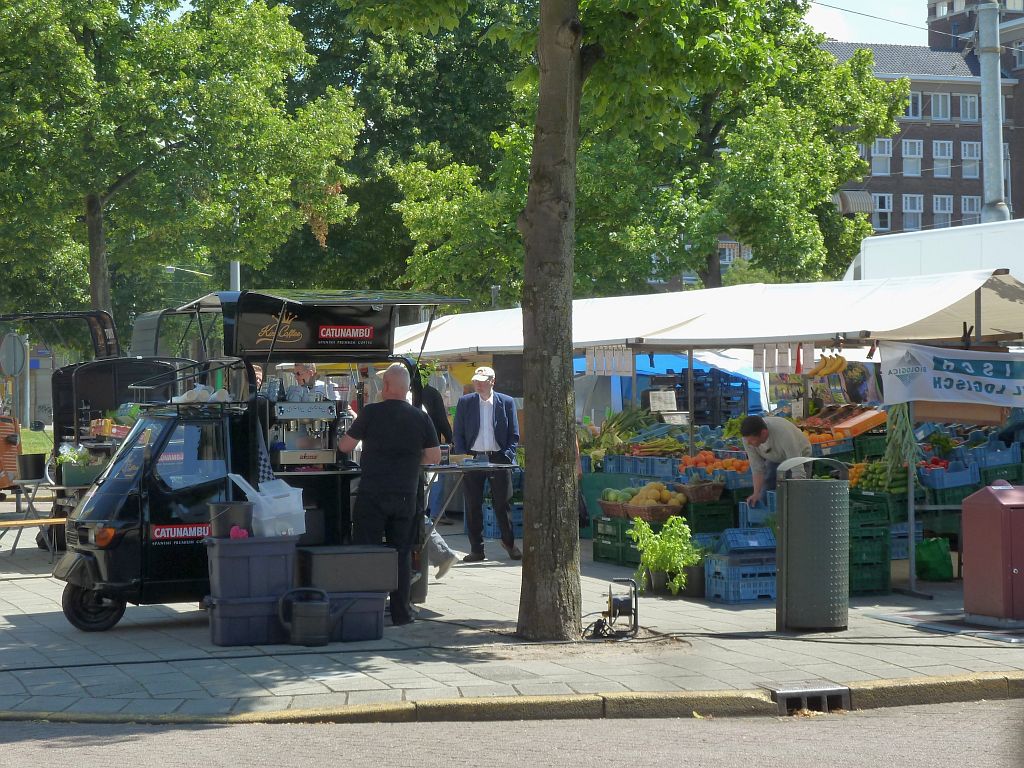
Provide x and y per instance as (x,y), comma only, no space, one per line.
(397,438)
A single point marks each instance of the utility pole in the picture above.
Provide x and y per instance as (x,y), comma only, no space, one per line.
(988,50)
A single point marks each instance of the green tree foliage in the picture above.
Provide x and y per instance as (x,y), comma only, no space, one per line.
(431,92)
(155,137)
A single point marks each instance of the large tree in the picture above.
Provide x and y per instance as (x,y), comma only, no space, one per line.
(155,136)
(642,62)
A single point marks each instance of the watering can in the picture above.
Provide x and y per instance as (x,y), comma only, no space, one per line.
(310,616)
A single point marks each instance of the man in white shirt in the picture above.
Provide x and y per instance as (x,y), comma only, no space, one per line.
(769,441)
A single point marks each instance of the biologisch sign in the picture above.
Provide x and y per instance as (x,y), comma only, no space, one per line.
(917,372)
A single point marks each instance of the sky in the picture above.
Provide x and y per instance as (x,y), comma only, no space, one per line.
(854,28)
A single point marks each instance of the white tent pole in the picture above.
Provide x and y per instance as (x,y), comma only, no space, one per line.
(690,392)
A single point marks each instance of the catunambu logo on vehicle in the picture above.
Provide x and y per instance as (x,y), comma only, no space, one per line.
(907,368)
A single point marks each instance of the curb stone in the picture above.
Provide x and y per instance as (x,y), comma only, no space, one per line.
(871,694)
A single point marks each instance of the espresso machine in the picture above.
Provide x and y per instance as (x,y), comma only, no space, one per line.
(303,434)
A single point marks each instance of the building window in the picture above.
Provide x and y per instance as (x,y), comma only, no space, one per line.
(881,153)
(1018,54)
(862,151)
(1006,174)
(970,155)
(913,151)
(970,209)
(942,159)
(881,217)
(969,107)
(942,209)
(913,109)
(958,6)
(940,106)
(1014,5)
(913,207)
(941,9)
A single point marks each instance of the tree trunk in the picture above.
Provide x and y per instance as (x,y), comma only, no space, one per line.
(711,276)
(549,608)
(99,275)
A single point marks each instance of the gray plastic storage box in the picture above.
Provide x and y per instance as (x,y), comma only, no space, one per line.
(246,621)
(253,567)
(357,616)
(348,568)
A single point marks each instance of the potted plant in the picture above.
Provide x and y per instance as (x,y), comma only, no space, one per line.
(666,555)
(76,466)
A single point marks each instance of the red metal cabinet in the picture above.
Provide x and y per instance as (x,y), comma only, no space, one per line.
(993,549)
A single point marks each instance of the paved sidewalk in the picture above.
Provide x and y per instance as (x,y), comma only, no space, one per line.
(159,663)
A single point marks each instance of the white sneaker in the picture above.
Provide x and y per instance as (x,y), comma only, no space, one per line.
(446,566)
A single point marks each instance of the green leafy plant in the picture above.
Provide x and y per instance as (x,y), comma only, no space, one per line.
(76,455)
(671,551)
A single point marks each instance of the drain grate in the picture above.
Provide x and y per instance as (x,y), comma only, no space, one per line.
(812,695)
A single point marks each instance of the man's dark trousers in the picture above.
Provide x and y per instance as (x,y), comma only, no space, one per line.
(391,517)
(501,497)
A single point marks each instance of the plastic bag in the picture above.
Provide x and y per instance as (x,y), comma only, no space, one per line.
(933,563)
(277,507)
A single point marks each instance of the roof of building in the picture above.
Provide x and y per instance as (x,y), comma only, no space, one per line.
(910,59)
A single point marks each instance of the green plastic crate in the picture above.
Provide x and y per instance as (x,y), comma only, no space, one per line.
(606,551)
(870,579)
(608,529)
(629,554)
(941,522)
(950,495)
(736,495)
(868,514)
(895,504)
(869,447)
(710,517)
(870,548)
(1012,472)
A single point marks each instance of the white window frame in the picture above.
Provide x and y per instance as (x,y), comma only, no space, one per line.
(1013,5)
(958,6)
(942,159)
(1018,54)
(881,207)
(970,209)
(942,211)
(912,151)
(941,10)
(881,149)
(969,107)
(941,100)
(970,158)
(913,211)
(913,110)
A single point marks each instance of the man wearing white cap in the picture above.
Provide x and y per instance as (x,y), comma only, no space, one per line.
(486,426)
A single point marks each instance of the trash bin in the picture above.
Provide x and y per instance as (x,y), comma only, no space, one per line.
(993,551)
(813,581)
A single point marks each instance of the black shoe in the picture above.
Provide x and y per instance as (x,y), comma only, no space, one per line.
(474,557)
(513,552)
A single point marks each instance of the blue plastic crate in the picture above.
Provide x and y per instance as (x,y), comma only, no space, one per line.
(900,529)
(739,567)
(654,431)
(586,463)
(753,517)
(662,467)
(956,475)
(994,454)
(746,540)
(899,547)
(744,591)
(730,453)
(706,541)
(615,464)
(734,479)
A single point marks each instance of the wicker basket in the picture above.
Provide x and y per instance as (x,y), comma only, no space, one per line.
(702,492)
(652,513)
(611,508)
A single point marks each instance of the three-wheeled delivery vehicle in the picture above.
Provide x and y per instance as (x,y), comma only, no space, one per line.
(137,535)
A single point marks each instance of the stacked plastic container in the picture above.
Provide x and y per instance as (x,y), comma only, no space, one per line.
(744,569)
(247,577)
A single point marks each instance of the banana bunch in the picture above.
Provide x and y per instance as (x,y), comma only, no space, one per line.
(827,366)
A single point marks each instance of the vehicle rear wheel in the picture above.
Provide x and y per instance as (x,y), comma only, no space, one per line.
(89,611)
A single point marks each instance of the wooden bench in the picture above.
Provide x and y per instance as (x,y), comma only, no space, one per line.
(19,525)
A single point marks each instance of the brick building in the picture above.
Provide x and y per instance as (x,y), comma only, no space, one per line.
(930,173)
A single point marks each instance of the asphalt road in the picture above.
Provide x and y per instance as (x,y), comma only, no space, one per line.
(989,734)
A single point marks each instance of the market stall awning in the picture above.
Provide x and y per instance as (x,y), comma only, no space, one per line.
(850,201)
(918,308)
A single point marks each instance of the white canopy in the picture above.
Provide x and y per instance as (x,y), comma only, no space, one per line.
(917,308)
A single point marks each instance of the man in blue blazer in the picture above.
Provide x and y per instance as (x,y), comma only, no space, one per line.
(486,426)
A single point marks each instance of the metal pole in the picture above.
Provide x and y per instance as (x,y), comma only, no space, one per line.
(689,393)
(991,114)
(26,388)
(977,316)
(911,511)
(235,276)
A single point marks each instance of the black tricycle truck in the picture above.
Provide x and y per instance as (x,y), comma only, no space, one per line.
(137,536)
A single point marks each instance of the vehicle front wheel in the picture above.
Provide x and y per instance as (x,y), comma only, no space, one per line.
(89,611)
